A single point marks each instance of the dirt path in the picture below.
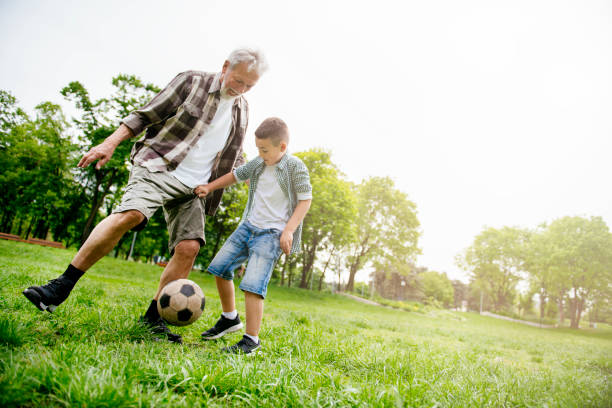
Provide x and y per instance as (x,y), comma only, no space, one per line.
(543,326)
(359,299)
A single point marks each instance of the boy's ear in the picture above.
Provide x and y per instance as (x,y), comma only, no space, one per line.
(283,146)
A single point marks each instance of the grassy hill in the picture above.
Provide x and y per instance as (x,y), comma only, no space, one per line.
(317,350)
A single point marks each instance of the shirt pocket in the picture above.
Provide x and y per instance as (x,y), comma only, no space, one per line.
(188,117)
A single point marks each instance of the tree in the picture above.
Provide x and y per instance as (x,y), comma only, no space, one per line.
(495,261)
(582,257)
(34,156)
(437,286)
(398,280)
(460,293)
(98,120)
(540,267)
(329,222)
(386,226)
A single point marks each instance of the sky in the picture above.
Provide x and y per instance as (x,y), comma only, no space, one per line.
(485,113)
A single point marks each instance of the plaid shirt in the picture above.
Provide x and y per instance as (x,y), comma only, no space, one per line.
(177,117)
(293,178)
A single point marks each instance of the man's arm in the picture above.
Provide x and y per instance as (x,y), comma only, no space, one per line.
(156,110)
(104,151)
(286,239)
(222,182)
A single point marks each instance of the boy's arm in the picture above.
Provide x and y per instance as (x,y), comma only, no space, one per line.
(222,182)
(286,239)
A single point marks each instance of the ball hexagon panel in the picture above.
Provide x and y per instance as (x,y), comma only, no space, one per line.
(187,290)
(164,300)
(184,315)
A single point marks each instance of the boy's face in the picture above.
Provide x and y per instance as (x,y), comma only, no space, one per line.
(268,152)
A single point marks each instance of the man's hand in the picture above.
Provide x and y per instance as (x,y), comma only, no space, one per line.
(202,190)
(102,152)
(286,241)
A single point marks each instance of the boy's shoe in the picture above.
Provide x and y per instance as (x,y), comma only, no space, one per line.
(159,327)
(222,327)
(51,295)
(245,346)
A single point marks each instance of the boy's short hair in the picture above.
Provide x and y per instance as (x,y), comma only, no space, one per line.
(274,129)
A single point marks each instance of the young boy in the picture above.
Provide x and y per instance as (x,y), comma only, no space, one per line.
(279,197)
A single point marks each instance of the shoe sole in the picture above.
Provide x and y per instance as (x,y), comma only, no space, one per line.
(224,332)
(34,297)
(251,353)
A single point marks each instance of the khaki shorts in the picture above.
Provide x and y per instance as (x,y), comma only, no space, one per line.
(184,211)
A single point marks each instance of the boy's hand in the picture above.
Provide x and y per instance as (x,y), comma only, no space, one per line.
(201,190)
(286,241)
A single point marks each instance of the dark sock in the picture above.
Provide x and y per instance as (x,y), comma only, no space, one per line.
(73,274)
(152,314)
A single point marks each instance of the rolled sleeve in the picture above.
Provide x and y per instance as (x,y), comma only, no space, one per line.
(304,196)
(303,189)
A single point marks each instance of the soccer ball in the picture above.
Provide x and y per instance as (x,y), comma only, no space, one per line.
(181,302)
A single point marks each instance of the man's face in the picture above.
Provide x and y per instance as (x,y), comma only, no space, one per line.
(268,152)
(237,80)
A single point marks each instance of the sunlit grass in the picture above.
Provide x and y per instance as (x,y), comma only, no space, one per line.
(317,350)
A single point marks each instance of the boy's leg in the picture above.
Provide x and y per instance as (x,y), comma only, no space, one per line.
(254,305)
(231,255)
(226,294)
(264,250)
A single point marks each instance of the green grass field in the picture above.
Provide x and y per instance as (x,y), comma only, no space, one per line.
(317,350)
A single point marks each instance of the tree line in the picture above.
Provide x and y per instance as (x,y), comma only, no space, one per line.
(349,226)
(373,226)
(566,265)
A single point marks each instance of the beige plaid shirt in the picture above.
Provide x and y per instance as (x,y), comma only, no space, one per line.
(177,117)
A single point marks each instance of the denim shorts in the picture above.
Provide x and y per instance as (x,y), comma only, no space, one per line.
(261,247)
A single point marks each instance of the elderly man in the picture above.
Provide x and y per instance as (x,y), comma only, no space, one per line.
(194,132)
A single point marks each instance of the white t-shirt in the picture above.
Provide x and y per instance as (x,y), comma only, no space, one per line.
(196,167)
(270,205)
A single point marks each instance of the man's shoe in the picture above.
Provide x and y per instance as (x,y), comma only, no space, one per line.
(158,327)
(245,346)
(51,295)
(222,327)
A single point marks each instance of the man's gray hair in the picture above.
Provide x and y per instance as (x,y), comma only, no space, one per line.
(255,59)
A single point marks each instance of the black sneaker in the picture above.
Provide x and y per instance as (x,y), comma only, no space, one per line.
(222,327)
(246,346)
(159,327)
(50,295)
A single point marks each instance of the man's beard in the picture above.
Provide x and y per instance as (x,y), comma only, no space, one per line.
(224,91)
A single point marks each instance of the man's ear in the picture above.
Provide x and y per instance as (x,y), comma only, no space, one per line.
(225,67)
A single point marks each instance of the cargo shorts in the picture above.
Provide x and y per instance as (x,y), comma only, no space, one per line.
(184,211)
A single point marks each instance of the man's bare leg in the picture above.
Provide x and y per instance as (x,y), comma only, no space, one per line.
(254,305)
(99,243)
(104,237)
(180,264)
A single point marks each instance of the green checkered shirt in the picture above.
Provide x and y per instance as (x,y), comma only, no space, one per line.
(293,178)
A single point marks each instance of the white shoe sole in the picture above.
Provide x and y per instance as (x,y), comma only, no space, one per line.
(224,332)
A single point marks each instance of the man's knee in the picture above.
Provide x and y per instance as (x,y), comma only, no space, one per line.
(188,248)
(128,219)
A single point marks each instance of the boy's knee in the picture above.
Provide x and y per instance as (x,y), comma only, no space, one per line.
(188,248)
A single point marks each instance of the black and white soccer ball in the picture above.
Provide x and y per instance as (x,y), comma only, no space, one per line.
(181,302)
